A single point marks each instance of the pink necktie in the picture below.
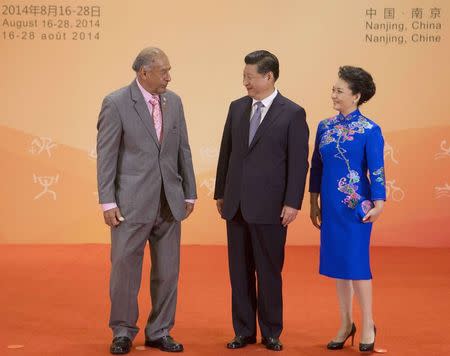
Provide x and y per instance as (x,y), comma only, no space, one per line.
(157,115)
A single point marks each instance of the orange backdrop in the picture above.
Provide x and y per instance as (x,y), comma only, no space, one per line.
(60,58)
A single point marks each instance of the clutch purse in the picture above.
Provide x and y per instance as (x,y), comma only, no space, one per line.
(363,208)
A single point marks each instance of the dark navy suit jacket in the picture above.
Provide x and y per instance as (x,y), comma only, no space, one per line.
(269,173)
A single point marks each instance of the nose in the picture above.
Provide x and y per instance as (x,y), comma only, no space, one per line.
(169,78)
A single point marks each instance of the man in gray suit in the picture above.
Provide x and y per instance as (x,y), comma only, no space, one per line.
(146,186)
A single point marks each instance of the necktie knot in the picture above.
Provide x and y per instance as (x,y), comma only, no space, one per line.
(255,121)
(154,100)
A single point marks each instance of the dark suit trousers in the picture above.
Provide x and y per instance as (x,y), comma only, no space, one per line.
(256,248)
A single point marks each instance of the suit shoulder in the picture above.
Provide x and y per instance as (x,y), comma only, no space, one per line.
(293,105)
(241,101)
(172,95)
(119,93)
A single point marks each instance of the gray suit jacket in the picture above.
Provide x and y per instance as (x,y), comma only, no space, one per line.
(132,166)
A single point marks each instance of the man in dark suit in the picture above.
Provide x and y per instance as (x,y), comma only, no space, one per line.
(259,189)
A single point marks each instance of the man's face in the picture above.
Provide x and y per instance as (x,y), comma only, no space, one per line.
(156,77)
(257,84)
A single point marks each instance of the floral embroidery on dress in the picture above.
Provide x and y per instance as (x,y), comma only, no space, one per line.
(350,189)
(360,125)
(344,130)
(379,174)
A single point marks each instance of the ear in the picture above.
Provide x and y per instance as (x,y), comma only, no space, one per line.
(141,73)
(356,98)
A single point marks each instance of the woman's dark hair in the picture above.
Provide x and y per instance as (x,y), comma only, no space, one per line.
(359,81)
(265,62)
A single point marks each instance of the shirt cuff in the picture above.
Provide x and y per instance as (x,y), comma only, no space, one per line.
(109,206)
(192,201)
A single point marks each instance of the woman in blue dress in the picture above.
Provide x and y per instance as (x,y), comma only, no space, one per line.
(347,176)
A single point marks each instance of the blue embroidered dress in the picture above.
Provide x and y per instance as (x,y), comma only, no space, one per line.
(347,150)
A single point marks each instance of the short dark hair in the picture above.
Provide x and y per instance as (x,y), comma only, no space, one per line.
(265,62)
(359,81)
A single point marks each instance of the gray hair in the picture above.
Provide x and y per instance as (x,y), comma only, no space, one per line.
(147,57)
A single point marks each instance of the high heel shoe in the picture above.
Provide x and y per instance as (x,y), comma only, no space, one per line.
(335,345)
(369,347)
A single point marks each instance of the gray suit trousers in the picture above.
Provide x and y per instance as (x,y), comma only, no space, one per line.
(127,250)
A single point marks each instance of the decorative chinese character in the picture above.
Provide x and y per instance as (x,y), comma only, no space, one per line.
(445,151)
(93,153)
(435,12)
(396,193)
(209,184)
(40,144)
(35,10)
(389,151)
(46,182)
(371,12)
(389,13)
(442,192)
(52,10)
(95,11)
(416,13)
(209,152)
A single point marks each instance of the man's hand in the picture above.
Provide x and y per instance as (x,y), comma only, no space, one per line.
(113,217)
(219,204)
(189,209)
(288,215)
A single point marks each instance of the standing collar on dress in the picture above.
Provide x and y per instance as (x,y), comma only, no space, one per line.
(353,115)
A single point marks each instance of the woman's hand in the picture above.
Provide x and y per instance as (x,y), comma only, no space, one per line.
(374,213)
(315,214)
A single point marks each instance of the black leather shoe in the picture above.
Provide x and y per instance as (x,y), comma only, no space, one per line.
(272,343)
(120,345)
(165,343)
(241,341)
(336,345)
(369,347)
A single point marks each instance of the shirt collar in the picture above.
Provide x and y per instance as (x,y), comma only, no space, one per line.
(268,100)
(145,93)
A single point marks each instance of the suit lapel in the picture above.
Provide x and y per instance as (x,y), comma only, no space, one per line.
(142,109)
(274,111)
(244,126)
(167,119)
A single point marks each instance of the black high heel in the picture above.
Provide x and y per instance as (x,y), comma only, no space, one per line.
(369,347)
(335,345)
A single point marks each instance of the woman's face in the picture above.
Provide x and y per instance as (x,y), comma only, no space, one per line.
(344,100)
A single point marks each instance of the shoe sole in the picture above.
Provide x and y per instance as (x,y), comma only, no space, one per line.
(158,346)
